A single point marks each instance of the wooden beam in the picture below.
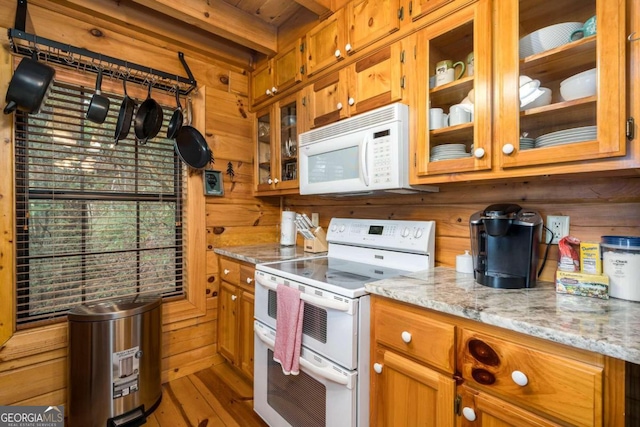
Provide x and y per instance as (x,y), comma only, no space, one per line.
(222,19)
(135,21)
(322,8)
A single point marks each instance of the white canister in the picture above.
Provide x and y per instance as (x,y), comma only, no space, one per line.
(464,263)
(288,228)
(621,262)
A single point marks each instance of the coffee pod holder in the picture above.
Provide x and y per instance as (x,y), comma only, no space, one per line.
(318,243)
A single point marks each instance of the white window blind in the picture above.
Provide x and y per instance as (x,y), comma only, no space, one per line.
(95,220)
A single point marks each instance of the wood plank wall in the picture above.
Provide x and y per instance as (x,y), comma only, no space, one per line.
(596,206)
(33,363)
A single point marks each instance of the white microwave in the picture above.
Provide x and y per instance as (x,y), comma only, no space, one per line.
(364,154)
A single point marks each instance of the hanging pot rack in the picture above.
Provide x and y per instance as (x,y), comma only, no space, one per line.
(25,44)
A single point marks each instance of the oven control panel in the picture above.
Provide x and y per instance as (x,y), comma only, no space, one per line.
(404,236)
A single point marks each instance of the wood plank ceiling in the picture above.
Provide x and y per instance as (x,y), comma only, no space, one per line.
(252,24)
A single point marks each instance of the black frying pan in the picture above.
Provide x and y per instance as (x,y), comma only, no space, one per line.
(148,119)
(126,114)
(176,119)
(193,148)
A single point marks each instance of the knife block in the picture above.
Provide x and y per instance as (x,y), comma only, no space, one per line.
(319,244)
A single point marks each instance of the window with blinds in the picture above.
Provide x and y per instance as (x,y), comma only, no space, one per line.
(95,220)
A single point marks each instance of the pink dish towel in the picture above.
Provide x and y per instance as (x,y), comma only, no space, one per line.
(288,329)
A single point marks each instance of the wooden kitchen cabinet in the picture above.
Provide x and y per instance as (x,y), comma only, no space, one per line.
(277,130)
(278,74)
(371,82)
(235,314)
(410,354)
(454,38)
(604,51)
(369,21)
(325,43)
(429,368)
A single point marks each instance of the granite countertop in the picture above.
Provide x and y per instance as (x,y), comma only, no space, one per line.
(609,327)
(268,252)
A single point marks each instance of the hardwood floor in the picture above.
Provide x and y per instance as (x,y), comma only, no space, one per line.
(203,399)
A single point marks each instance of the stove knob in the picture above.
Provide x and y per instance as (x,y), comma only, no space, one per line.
(418,233)
(405,232)
(342,227)
(334,227)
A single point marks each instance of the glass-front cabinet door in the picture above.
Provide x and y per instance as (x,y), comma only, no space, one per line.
(276,168)
(560,82)
(454,93)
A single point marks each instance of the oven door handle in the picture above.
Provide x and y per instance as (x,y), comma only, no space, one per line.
(318,302)
(326,372)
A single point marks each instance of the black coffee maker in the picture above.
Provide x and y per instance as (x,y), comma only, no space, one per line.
(504,244)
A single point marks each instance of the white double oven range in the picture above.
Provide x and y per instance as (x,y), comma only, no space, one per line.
(332,388)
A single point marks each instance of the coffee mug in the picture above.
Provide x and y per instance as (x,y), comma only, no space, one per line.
(459,114)
(445,71)
(470,65)
(437,118)
(588,29)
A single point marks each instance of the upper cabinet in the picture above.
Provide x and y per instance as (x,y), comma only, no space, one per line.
(582,114)
(278,74)
(452,102)
(366,84)
(277,130)
(426,11)
(370,20)
(325,43)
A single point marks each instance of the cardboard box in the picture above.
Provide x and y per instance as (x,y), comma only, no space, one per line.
(582,284)
(590,258)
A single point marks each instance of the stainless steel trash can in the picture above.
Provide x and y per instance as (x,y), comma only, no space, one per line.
(114,362)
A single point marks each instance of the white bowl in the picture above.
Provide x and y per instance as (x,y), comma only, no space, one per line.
(580,85)
(541,101)
(547,38)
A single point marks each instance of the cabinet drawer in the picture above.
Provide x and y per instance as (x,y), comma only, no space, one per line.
(564,388)
(430,341)
(247,276)
(229,270)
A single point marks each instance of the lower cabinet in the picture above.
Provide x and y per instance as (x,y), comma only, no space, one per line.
(432,369)
(235,315)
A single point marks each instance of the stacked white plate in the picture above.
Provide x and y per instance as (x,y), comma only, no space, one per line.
(547,38)
(527,143)
(448,152)
(567,136)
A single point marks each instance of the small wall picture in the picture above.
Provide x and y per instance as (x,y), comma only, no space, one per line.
(213,183)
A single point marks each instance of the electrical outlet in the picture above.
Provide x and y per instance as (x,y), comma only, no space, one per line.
(559,226)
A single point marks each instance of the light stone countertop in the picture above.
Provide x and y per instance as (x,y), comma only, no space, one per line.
(610,327)
(268,252)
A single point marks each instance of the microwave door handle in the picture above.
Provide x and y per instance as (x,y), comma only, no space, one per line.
(363,160)
(318,302)
(326,372)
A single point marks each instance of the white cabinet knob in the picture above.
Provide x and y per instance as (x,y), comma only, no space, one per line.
(226,271)
(519,378)
(338,53)
(269,181)
(469,413)
(249,280)
(352,101)
(274,90)
(508,148)
(377,367)
(478,153)
(268,92)
(275,180)
(347,47)
(339,105)
(234,297)
(406,337)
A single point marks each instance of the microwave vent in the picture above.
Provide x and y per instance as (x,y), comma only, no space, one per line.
(357,123)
